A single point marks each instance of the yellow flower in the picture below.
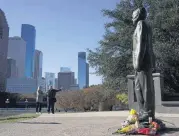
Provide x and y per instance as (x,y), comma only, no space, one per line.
(133,112)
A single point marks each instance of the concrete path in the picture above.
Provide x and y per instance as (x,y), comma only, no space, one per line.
(104,114)
(75,124)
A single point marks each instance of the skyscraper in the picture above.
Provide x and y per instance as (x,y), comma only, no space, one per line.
(87,75)
(17,51)
(38,58)
(56,83)
(83,71)
(66,79)
(11,68)
(4,34)
(28,33)
(21,85)
(75,82)
(50,80)
(41,82)
(65,69)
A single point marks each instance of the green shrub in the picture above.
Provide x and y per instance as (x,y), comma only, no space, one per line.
(123,98)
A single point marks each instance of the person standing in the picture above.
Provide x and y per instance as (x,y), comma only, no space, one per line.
(51,99)
(39,99)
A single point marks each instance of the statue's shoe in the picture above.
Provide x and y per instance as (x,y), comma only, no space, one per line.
(143,118)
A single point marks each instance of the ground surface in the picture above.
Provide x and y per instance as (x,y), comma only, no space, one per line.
(16,118)
(79,124)
(11,112)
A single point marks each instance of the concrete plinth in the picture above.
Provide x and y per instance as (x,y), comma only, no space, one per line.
(160,106)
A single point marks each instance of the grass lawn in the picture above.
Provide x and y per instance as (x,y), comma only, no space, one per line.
(15,118)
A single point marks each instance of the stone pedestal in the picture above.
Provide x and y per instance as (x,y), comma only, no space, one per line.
(132,101)
(160,106)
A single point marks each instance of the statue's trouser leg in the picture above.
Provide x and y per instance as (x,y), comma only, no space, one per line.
(139,93)
(145,80)
(149,94)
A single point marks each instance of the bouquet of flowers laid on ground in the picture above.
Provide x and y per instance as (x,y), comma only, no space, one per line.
(132,126)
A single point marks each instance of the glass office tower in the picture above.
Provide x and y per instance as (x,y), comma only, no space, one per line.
(82,70)
(28,33)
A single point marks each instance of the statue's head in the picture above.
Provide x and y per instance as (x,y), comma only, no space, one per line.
(139,14)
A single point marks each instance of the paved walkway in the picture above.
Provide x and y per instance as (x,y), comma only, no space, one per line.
(104,114)
(75,124)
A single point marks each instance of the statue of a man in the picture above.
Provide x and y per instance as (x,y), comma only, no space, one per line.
(143,62)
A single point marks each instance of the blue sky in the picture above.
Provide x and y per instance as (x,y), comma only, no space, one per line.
(63,28)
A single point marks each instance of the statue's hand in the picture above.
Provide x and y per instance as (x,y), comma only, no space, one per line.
(135,72)
(137,69)
(136,66)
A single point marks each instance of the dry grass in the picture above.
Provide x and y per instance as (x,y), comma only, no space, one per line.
(15,118)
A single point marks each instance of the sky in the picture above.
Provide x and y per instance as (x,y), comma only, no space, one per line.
(63,28)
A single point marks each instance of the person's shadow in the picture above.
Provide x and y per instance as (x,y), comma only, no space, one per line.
(54,123)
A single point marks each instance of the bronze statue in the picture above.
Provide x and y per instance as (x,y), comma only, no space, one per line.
(143,62)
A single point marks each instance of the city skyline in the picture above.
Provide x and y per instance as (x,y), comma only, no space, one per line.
(52,38)
(17,49)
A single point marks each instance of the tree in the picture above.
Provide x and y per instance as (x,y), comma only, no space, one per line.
(165,21)
(70,100)
(113,60)
(77,100)
(63,100)
(86,99)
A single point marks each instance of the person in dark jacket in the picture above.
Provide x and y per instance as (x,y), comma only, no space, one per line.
(51,93)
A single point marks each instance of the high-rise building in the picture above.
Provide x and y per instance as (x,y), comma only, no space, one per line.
(75,81)
(38,58)
(56,83)
(65,69)
(83,70)
(87,75)
(74,87)
(17,51)
(11,68)
(4,35)
(41,82)
(28,33)
(21,85)
(66,79)
(49,80)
